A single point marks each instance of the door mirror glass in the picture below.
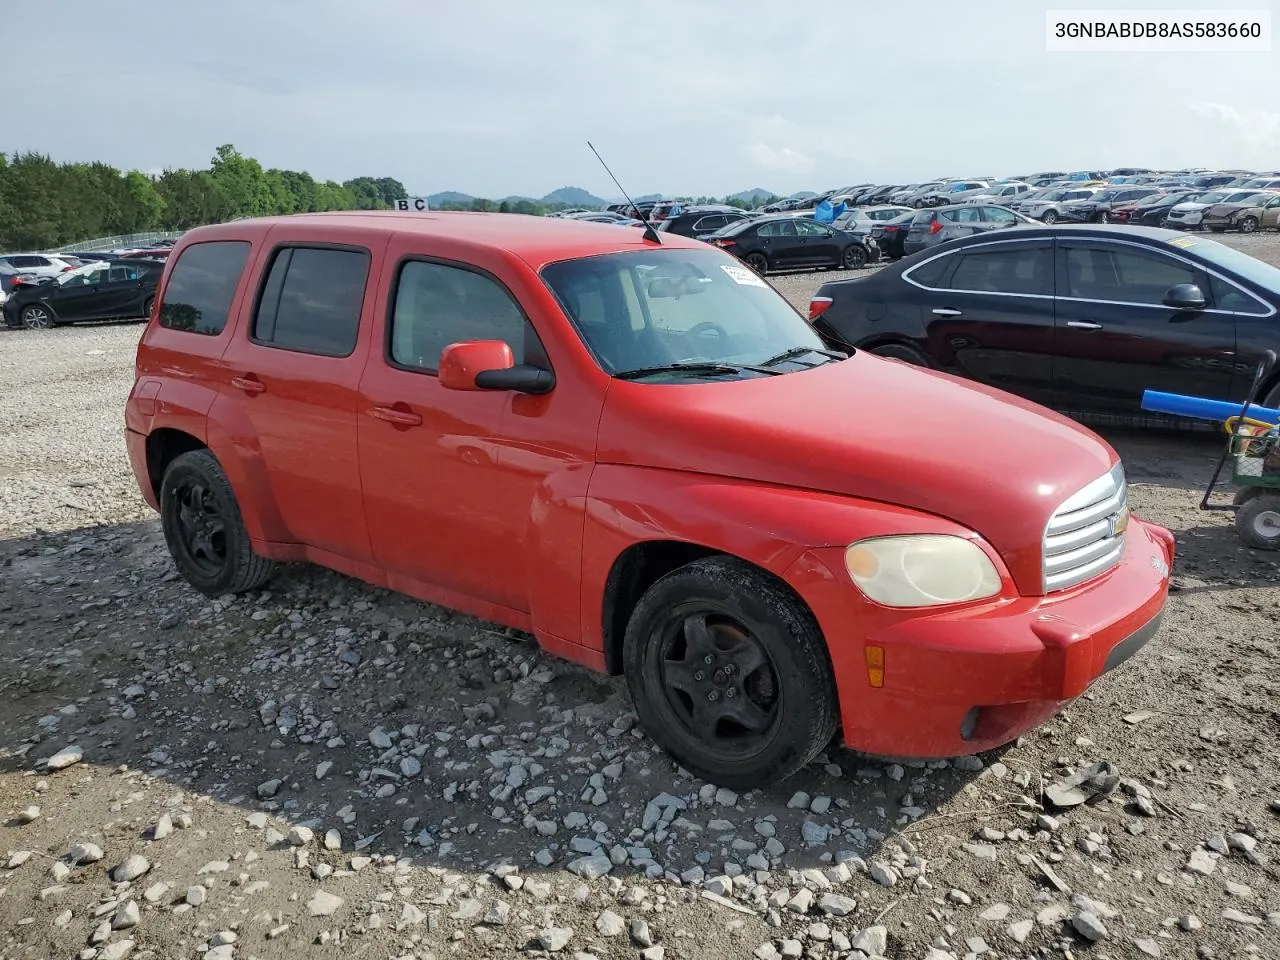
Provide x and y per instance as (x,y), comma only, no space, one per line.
(1185,296)
(489,365)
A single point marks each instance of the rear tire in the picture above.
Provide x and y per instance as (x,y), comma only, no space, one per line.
(1258,521)
(147,308)
(758,262)
(204,528)
(37,316)
(900,351)
(734,628)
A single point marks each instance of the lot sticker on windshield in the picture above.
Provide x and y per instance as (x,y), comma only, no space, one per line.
(1183,242)
(742,275)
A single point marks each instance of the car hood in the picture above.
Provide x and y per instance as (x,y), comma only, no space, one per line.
(871,428)
(1190,205)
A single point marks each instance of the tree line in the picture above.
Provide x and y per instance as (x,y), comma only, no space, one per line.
(44,204)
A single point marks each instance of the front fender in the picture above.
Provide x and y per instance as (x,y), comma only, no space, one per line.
(769,526)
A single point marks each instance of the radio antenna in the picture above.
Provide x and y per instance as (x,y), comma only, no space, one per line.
(650,234)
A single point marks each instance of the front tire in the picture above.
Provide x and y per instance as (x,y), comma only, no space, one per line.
(204,529)
(1258,521)
(729,674)
(854,258)
(1050,217)
(37,316)
(1248,224)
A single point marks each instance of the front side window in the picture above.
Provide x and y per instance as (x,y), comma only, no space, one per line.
(311,300)
(89,275)
(203,282)
(1124,276)
(642,310)
(807,228)
(437,304)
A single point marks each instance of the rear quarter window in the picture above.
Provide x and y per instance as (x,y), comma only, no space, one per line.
(202,285)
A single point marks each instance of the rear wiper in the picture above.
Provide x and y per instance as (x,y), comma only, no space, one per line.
(694,367)
(794,352)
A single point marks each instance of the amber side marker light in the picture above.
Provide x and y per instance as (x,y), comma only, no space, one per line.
(875,666)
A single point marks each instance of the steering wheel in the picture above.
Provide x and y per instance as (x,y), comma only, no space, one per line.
(706,327)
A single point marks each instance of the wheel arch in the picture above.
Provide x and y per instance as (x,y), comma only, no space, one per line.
(164,445)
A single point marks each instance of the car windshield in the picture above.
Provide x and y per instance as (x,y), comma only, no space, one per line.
(1213,196)
(640,313)
(79,274)
(1229,258)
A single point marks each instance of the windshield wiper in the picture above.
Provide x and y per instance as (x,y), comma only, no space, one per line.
(794,352)
(690,366)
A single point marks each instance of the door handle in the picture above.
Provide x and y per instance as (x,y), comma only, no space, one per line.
(249,384)
(1084,325)
(405,418)
(947,312)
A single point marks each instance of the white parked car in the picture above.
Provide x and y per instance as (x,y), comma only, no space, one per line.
(37,264)
(1187,216)
(1000,193)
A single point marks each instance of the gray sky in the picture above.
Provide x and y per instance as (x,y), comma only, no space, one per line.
(496,97)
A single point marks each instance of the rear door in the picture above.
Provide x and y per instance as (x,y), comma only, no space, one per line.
(122,294)
(295,369)
(988,312)
(1116,338)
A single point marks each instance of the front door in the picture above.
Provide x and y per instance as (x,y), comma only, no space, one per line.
(1116,338)
(821,246)
(76,296)
(295,372)
(990,314)
(443,506)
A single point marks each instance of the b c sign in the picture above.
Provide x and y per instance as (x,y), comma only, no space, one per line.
(412,203)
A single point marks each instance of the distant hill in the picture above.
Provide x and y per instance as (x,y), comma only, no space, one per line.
(574,197)
(755,195)
(448,196)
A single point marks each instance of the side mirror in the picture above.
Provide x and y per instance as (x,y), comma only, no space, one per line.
(489,365)
(1185,296)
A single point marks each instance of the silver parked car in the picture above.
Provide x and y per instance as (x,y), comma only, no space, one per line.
(932,227)
(38,264)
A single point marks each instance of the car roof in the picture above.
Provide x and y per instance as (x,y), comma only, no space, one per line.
(534,239)
(1152,235)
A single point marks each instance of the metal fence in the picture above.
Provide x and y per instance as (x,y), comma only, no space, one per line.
(128,241)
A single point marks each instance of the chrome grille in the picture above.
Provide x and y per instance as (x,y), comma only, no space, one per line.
(1085,536)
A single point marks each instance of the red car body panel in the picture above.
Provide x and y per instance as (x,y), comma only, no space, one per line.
(517,508)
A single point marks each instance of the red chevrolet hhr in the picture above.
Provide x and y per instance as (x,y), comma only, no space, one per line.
(636,450)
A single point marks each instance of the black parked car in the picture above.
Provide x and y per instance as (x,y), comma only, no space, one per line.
(100,290)
(701,221)
(1081,318)
(891,236)
(1098,207)
(789,243)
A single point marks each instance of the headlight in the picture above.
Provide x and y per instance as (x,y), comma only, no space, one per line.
(921,571)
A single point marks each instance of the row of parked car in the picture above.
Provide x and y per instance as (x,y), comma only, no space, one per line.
(39,290)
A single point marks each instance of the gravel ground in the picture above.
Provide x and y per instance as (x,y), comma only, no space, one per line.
(327,769)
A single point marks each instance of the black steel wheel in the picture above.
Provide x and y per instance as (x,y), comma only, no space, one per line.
(204,529)
(730,674)
(855,257)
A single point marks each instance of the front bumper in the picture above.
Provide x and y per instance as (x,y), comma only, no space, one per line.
(973,678)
